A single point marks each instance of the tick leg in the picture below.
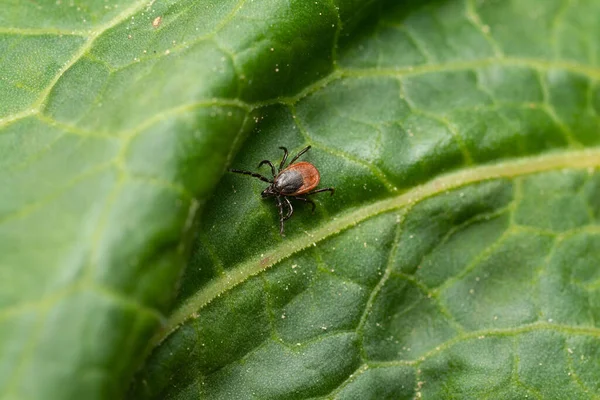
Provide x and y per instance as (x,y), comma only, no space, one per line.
(263,162)
(304,150)
(285,155)
(321,190)
(281,219)
(254,174)
(291,209)
(304,199)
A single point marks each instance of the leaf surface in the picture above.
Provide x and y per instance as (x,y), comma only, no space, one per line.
(458,257)
(117,119)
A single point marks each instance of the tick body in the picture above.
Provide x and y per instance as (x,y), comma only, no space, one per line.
(297,180)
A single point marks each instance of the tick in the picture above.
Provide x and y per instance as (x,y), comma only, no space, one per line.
(297,180)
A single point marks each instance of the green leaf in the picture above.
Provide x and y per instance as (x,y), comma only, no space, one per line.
(458,257)
(117,119)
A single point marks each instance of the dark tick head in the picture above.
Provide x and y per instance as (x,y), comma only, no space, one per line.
(268,192)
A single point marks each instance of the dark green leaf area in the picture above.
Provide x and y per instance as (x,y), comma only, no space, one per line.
(375,136)
(466,294)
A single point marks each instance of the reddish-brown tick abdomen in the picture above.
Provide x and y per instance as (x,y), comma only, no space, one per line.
(308,172)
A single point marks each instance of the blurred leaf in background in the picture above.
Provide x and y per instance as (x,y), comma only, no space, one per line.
(458,258)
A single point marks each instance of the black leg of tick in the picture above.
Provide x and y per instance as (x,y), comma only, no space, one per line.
(304,150)
(321,190)
(304,199)
(263,162)
(285,155)
(291,209)
(281,219)
(254,174)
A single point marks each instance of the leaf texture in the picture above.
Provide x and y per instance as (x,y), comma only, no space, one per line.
(116,121)
(458,257)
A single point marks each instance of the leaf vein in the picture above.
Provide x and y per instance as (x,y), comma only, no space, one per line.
(582,159)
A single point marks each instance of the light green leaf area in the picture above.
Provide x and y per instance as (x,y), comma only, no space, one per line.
(459,255)
(457,259)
